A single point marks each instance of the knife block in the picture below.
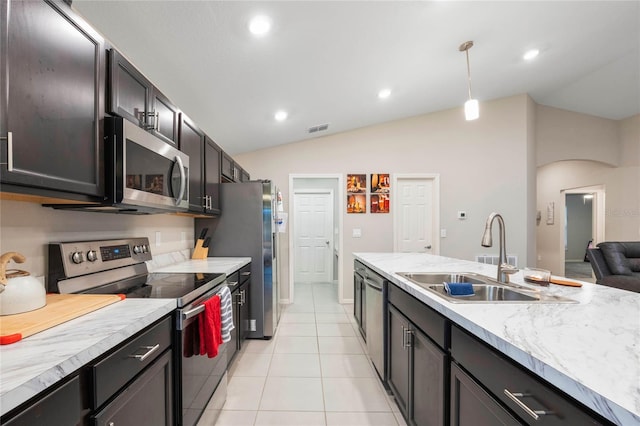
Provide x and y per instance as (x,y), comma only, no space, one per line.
(200,252)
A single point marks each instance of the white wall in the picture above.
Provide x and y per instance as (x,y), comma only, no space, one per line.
(483,167)
(568,135)
(28,227)
(621,184)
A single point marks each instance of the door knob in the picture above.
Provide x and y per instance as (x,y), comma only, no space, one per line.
(428,247)
(326,242)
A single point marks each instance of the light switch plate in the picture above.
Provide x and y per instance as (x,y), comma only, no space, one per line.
(357,233)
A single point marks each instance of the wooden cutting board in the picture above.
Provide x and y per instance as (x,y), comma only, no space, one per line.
(59,308)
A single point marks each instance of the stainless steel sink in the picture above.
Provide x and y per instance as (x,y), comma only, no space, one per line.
(486,290)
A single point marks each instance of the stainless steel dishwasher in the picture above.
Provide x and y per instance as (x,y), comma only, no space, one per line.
(375,294)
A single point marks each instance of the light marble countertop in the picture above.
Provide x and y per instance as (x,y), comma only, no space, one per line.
(226,265)
(31,365)
(590,350)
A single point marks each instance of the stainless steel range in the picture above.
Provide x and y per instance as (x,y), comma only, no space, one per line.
(118,267)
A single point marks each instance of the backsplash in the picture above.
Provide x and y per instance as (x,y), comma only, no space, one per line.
(28,228)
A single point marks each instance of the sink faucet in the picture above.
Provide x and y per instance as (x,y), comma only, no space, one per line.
(504,269)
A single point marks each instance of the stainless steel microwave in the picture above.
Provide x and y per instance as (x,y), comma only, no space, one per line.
(146,172)
(143,174)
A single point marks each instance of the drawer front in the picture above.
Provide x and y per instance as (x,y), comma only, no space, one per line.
(245,273)
(429,321)
(113,372)
(146,401)
(499,374)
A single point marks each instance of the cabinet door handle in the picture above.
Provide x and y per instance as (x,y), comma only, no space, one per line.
(150,350)
(9,139)
(408,338)
(246,273)
(407,335)
(515,397)
(156,120)
(243,297)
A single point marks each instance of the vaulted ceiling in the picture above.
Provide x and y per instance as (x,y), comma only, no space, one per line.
(324,62)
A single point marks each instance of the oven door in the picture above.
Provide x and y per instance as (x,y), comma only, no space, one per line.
(198,376)
(145,171)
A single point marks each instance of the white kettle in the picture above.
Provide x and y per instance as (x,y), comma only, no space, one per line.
(19,291)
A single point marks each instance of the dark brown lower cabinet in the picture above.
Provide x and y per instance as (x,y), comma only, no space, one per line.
(472,406)
(146,401)
(417,369)
(62,406)
(530,399)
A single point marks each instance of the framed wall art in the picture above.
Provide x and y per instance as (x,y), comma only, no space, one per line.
(356,203)
(356,183)
(380,203)
(380,193)
(379,183)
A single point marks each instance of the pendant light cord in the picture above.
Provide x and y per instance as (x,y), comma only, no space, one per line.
(468,73)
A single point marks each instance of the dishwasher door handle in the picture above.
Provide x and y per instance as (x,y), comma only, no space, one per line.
(374,285)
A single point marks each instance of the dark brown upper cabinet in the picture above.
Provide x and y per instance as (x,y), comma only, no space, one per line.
(231,171)
(204,174)
(51,101)
(134,97)
(192,144)
(212,162)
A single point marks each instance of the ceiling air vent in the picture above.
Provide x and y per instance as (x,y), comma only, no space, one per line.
(318,128)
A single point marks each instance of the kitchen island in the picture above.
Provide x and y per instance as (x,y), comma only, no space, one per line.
(590,350)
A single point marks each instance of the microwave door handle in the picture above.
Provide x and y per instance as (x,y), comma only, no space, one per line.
(183,181)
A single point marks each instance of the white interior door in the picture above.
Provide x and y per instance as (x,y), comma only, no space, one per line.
(416,218)
(313,236)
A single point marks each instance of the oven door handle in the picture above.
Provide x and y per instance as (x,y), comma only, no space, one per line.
(192,312)
(183,181)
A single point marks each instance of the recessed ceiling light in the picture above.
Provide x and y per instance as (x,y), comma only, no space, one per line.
(281,115)
(384,93)
(259,25)
(531,54)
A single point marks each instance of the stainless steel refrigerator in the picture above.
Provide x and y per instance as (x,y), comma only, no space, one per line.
(246,228)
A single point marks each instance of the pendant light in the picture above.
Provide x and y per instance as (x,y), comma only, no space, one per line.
(471,107)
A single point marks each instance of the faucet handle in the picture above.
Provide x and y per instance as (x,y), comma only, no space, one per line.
(506,270)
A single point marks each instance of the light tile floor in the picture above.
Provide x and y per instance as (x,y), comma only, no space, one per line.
(314,371)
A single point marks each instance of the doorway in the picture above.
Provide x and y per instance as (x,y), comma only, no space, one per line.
(314,240)
(582,227)
(416,219)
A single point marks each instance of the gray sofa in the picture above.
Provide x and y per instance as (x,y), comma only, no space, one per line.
(617,264)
